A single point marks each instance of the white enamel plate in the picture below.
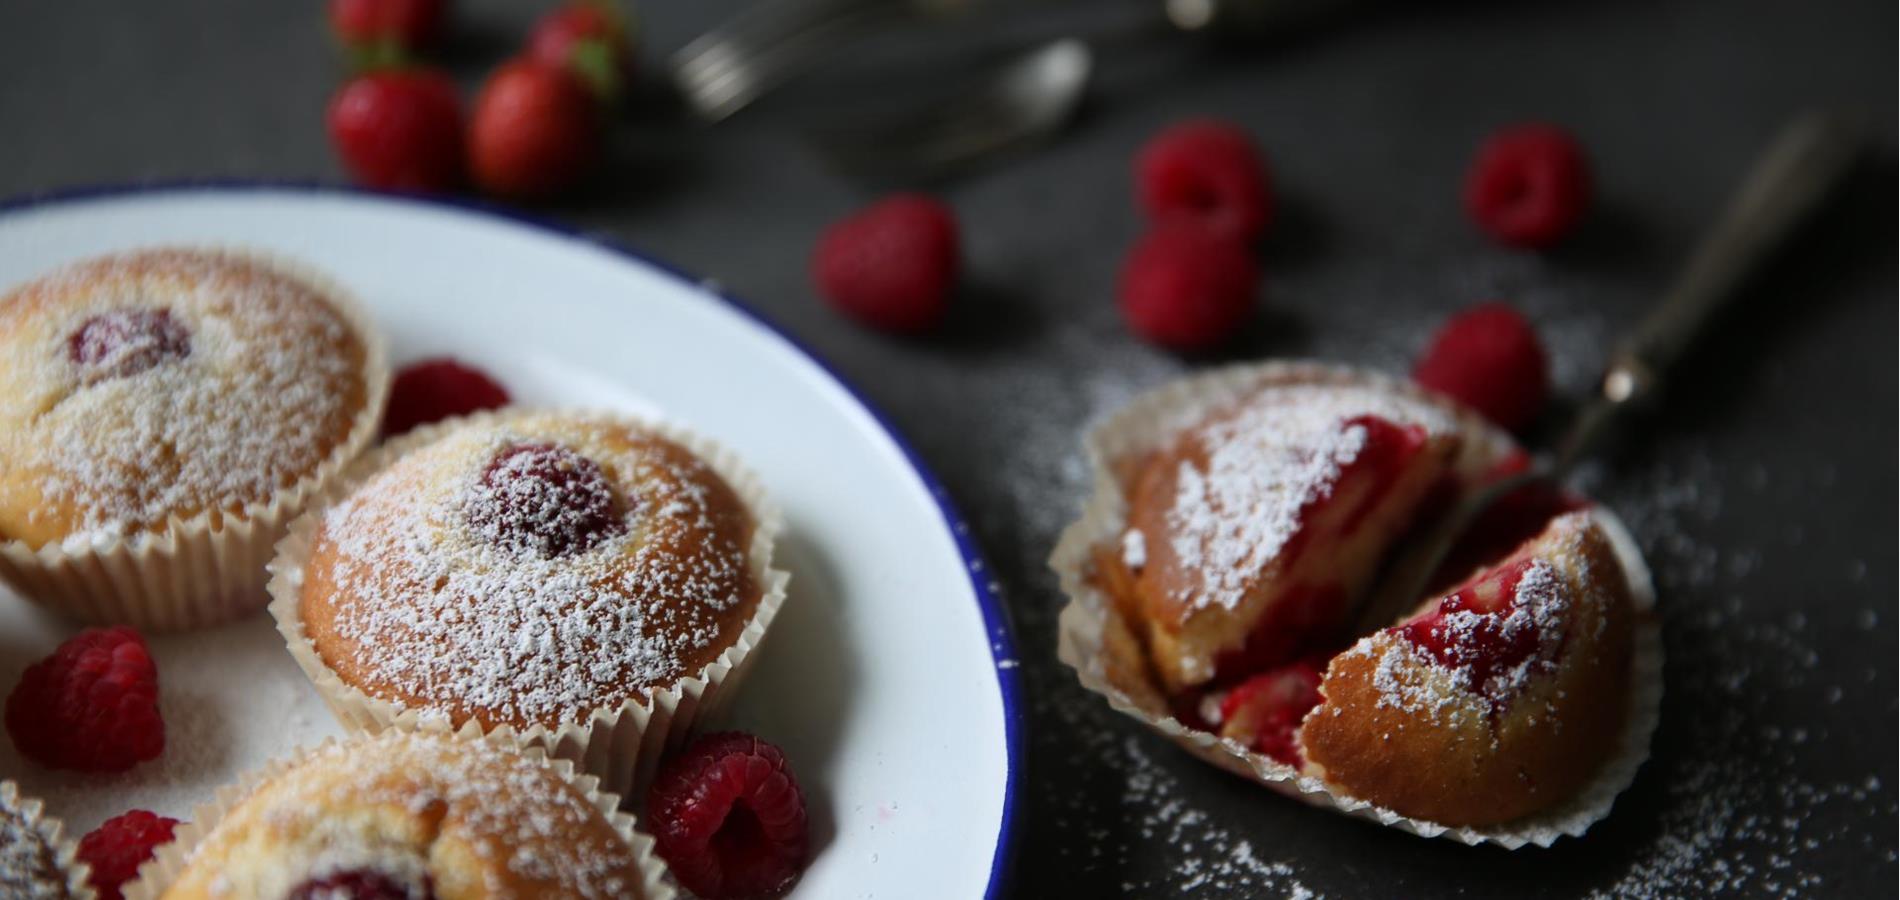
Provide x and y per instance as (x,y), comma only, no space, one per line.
(889,677)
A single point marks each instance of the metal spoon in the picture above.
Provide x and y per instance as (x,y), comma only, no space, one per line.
(1032,96)
(1788,183)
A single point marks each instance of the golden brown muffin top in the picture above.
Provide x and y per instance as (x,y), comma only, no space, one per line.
(141,386)
(530,570)
(463,818)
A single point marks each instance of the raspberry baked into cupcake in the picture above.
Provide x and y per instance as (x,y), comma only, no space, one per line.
(1240,522)
(587,582)
(409,816)
(163,415)
(36,861)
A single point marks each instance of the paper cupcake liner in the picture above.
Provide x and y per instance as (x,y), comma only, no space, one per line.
(621,745)
(193,573)
(169,861)
(1094,640)
(52,831)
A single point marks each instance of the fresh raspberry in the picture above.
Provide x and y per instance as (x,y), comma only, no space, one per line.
(399,130)
(1528,186)
(1266,710)
(360,884)
(1186,288)
(543,499)
(535,131)
(92,706)
(384,25)
(126,342)
(436,389)
(1469,628)
(891,265)
(1489,358)
(117,848)
(729,818)
(1208,171)
(589,37)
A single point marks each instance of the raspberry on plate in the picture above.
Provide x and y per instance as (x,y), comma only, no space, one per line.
(1489,358)
(891,266)
(728,817)
(399,130)
(1186,287)
(92,706)
(535,131)
(1208,171)
(1528,186)
(435,389)
(117,848)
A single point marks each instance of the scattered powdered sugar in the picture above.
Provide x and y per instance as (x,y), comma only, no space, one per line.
(258,400)
(1282,449)
(468,622)
(510,813)
(29,864)
(1134,549)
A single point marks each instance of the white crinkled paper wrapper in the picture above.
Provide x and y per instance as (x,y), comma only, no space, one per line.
(53,832)
(169,861)
(195,574)
(1090,621)
(622,745)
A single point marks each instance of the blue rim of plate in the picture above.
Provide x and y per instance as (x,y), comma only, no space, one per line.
(995,615)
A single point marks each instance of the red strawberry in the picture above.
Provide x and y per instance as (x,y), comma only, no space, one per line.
(1266,710)
(891,265)
(590,38)
(381,27)
(1489,357)
(535,131)
(399,130)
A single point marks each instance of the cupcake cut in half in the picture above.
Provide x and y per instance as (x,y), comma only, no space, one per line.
(1233,546)
(550,573)
(405,815)
(163,415)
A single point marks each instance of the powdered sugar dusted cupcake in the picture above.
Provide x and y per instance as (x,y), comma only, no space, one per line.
(163,415)
(587,582)
(409,815)
(1239,521)
(36,860)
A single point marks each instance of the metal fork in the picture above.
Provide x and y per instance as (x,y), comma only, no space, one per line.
(1810,157)
(724,70)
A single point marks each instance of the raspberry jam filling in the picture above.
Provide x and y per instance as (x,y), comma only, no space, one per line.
(1307,616)
(544,499)
(1481,628)
(358,884)
(1265,711)
(126,342)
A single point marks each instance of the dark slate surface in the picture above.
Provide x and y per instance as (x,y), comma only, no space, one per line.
(1764,490)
